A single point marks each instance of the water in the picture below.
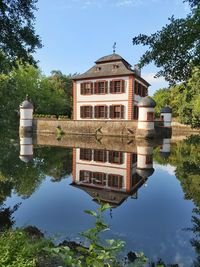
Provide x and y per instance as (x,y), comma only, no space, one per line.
(153,191)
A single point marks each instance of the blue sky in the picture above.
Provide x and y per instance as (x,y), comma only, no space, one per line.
(75,33)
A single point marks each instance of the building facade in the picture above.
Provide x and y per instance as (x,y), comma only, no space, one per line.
(109,90)
(111,176)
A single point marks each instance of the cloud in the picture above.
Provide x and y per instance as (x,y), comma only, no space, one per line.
(128,3)
(150,77)
(66,4)
(156,83)
(167,168)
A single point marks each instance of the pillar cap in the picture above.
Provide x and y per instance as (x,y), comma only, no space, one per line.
(145,173)
(26,158)
(147,101)
(166,110)
(26,104)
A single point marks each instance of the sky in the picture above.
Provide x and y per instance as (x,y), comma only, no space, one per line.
(75,33)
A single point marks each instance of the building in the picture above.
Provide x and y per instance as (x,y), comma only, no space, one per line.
(109,90)
(111,176)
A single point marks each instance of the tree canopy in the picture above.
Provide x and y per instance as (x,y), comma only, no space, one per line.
(176,47)
(184,99)
(50,95)
(18,39)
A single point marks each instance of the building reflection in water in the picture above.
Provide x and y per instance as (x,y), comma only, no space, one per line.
(165,148)
(26,147)
(112,176)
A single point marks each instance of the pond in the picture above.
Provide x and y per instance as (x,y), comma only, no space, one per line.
(153,190)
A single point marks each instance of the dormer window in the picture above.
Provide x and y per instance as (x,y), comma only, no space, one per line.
(98,68)
(115,66)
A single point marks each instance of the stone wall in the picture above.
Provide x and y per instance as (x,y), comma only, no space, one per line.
(87,141)
(108,128)
(98,128)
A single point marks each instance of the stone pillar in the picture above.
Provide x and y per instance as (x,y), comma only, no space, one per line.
(26,147)
(26,116)
(165,149)
(144,159)
(145,128)
(166,116)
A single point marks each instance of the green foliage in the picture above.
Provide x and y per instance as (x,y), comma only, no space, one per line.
(185,156)
(48,97)
(176,47)
(98,253)
(196,230)
(17,35)
(63,83)
(59,133)
(162,98)
(18,249)
(63,117)
(23,178)
(184,99)
(44,116)
(101,254)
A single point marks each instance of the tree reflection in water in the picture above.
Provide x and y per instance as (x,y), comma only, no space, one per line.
(185,156)
(25,178)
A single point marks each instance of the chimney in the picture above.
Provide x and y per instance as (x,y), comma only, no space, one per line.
(137,70)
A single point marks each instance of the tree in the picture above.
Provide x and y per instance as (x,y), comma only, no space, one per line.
(176,47)
(18,39)
(63,83)
(46,97)
(184,99)
(162,98)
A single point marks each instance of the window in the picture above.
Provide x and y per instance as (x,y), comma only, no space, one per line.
(135,179)
(139,89)
(100,155)
(116,157)
(85,176)
(115,66)
(143,91)
(98,68)
(117,86)
(117,112)
(101,87)
(136,88)
(85,154)
(86,112)
(135,113)
(134,158)
(115,180)
(150,116)
(99,178)
(87,88)
(149,159)
(100,112)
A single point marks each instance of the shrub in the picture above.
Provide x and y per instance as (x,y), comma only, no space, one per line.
(17,249)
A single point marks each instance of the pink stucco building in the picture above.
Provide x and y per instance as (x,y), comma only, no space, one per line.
(109,90)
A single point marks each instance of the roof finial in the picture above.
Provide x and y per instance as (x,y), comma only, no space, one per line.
(114,47)
(27,97)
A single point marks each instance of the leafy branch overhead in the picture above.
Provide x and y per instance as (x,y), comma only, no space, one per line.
(18,39)
(176,47)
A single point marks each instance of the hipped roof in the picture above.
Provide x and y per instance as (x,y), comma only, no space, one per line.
(104,68)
